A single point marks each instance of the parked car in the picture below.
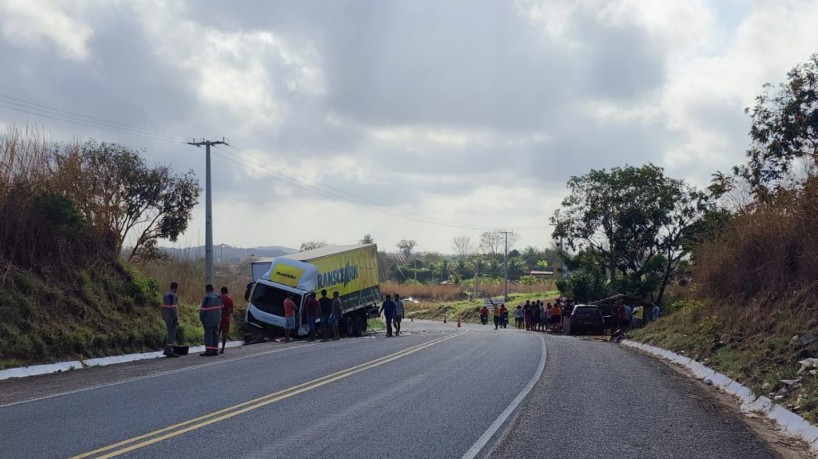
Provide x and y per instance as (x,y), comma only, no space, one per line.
(585,318)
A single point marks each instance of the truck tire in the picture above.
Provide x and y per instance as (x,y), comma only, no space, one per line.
(359,326)
(349,326)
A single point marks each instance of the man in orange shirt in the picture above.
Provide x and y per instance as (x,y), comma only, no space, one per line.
(227,313)
(289,317)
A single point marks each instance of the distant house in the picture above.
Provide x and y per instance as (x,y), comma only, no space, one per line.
(541,274)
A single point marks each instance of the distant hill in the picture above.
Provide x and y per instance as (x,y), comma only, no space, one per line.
(227,253)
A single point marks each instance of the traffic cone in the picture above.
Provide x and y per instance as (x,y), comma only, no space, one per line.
(458,322)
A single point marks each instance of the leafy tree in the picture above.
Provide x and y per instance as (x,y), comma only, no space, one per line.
(784,129)
(367,239)
(114,189)
(312,245)
(528,280)
(630,219)
(406,246)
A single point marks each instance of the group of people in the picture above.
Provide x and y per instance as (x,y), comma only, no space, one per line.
(330,311)
(534,316)
(633,317)
(214,313)
(392,312)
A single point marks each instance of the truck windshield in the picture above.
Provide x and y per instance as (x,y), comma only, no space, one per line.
(270,299)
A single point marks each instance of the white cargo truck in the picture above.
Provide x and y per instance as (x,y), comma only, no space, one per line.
(352,270)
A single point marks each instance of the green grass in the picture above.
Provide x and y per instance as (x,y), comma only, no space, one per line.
(468,310)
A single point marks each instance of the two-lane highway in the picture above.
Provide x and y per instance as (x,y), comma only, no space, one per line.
(437,391)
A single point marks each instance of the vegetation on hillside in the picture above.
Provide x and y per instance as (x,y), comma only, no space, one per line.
(64,213)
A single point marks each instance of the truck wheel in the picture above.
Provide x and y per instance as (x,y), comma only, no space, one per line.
(359,326)
(349,323)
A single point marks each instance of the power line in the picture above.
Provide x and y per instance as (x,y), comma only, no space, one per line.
(32,108)
(291,177)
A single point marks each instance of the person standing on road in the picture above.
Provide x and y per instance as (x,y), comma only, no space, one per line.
(289,316)
(398,313)
(170,314)
(326,310)
(312,314)
(388,311)
(227,314)
(211,315)
(556,318)
(503,315)
(518,316)
(496,312)
(337,313)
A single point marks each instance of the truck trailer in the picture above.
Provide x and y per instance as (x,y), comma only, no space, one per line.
(351,270)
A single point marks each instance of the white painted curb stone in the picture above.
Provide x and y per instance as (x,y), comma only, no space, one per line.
(34,370)
(789,422)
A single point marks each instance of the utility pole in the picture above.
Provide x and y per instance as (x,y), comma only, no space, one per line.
(208,208)
(505,267)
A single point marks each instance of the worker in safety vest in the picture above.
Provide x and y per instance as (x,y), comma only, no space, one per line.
(211,314)
(170,314)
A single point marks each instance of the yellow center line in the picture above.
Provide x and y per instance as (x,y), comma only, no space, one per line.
(250,405)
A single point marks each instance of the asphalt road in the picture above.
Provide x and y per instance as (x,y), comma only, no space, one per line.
(437,391)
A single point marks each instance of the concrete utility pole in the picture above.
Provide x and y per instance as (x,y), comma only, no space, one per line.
(505,267)
(208,208)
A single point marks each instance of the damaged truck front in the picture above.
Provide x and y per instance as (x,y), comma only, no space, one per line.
(351,270)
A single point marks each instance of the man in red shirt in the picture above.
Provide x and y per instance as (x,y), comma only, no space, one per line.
(289,317)
(227,313)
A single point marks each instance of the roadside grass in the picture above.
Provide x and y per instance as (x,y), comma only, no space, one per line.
(754,343)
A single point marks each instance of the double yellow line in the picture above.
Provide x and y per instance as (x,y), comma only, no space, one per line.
(175,430)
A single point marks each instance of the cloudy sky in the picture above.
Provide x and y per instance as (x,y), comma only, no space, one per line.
(408,119)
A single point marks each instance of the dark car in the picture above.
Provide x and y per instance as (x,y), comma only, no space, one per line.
(585,318)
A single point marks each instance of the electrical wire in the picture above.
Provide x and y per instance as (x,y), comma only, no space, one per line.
(289,176)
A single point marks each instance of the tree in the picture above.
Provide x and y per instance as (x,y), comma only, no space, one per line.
(115,189)
(784,129)
(312,245)
(493,242)
(632,220)
(367,239)
(528,280)
(405,247)
(462,246)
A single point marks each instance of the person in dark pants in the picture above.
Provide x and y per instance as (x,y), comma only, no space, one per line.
(325,305)
(398,313)
(227,313)
(211,315)
(388,311)
(170,314)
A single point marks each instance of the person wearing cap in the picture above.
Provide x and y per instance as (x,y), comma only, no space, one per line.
(170,314)
(211,316)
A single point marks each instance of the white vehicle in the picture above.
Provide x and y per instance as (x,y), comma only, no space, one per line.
(352,270)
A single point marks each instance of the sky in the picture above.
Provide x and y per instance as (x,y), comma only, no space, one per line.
(401,119)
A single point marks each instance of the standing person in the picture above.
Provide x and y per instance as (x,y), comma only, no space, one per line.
(289,316)
(504,315)
(535,316)
(227,313)
(388,311)
(326,309)
(312,314)
(527,315)
(211,315)
(518,316)
(335,316)
(496,312)
(398,313)
(170,314)
(656,312)
(556,318)
(548,317)
(638,316)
